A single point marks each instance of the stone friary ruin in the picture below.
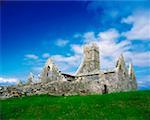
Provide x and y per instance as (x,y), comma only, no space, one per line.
(89,78)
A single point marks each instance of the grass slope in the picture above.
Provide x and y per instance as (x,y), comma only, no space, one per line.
(116,106)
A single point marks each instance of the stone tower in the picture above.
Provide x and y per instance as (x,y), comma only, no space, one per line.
(90,63)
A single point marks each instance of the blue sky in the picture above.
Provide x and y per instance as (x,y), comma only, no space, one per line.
(33,31)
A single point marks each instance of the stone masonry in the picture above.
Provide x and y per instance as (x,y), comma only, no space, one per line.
(89,79)
(90,62)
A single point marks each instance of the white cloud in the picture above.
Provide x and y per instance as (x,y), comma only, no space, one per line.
(31,56)
(66,63)
(61,42)
(77,48)
(111,34)
(69,63)
(89,37)
(71,60)
(141,25)
(110,51)
(8,80)
(45,55)
(109,45)
(140,59)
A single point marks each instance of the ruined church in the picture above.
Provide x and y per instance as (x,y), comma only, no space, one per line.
(118,79)
(88,79)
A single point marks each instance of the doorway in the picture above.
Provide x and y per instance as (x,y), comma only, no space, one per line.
(105,90)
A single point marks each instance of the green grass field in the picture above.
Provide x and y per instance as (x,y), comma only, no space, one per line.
(116,106)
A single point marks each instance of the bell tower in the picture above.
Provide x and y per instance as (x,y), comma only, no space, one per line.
(91,61)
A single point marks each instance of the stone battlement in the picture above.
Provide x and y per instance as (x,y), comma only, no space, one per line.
(92,46)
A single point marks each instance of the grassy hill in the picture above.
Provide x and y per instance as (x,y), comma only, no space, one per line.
(116,106)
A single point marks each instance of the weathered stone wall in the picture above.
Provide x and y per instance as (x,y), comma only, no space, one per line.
(115,81)
(84,85)
(96,83)
(65,88)
(89,77)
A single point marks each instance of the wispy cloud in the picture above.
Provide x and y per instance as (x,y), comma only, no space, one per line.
(140,59)
(77,35)
(111,34)
(89,36)
(4,80)
(45,55)
(78,49)
(141,25)
(61,42)
(31,56)
(65,63)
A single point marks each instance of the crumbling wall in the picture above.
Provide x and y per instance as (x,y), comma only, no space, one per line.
(61,88)
(107,82)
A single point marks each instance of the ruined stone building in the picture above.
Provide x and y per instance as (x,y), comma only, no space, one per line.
(118,79)
(89,78)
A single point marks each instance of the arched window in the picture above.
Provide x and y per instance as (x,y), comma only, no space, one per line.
(48,68)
